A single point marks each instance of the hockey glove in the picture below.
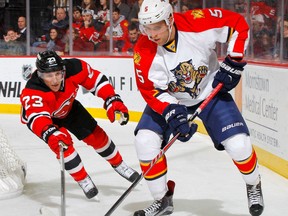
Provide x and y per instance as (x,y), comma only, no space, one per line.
(113,105)
(53,136)
(176,117)
(229,74)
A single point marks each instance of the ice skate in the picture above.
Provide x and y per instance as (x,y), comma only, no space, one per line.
(126,171)
(255,199)
(163,206)
(88,187)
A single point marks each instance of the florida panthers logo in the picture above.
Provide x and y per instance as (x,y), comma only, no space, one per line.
(186,77)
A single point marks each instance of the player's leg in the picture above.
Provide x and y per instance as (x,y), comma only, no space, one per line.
(85,128)
(228,130)
(75,167)
(106,148)
(241,151)
(148,143)
(73,162)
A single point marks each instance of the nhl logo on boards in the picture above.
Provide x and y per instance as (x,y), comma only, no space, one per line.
(26,72)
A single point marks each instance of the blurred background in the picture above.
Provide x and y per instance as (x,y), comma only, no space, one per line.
(82,27)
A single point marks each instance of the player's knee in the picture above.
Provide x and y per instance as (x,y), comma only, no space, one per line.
(239,146)
(97,139)
(147,144)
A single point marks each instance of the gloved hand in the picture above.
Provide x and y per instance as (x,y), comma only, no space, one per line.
(113,105)
(176,117)
(229,74)
(53,136)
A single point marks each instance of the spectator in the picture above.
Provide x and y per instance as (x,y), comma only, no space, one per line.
(55,43)
(192,4)
(77,17)
(260,7)
(285,39)
(174,5)
(60,21)
(89,4)
(133,34)
(11,35)
(2,18)
(88,32)
(263,46)
(240,6)
(258,24)
(124,8)
(285,35)
(133,16)
(103,14)
(22,30)
(184,8)
(119,30)
(78,44)
(11,46)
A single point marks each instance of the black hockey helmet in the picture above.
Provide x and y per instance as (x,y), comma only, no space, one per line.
(48,61)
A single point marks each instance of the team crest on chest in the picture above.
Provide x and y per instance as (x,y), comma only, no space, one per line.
(65,107)
(187,78)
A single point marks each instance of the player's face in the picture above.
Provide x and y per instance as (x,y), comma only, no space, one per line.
(53,79)
(157,32)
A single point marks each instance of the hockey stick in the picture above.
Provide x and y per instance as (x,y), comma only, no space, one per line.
(62,166)
(162,152)
(45,211)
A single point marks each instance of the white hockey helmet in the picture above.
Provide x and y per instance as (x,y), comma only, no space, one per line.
(153,11)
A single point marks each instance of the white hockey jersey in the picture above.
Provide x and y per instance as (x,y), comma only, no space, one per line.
(183,70)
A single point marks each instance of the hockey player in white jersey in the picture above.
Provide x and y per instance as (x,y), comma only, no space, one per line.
(176,68)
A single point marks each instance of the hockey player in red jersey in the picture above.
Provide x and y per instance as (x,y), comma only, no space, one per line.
(176,68)
(50,110)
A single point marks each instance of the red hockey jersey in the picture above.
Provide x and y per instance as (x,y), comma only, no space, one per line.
(40,104)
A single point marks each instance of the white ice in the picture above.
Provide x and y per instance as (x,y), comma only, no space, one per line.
(207,182)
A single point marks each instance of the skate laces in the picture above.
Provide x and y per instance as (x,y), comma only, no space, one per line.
(154,207)
(254,194)
(124,170)
(86,184)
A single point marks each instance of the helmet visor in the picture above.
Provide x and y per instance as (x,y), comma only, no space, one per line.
(58,75)
(153,29)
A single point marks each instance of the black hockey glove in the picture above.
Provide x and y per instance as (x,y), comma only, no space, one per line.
(176,117)
(229,74)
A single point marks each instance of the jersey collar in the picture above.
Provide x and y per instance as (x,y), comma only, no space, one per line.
(172,46)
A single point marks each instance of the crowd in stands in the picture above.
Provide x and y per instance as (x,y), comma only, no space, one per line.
(92,27)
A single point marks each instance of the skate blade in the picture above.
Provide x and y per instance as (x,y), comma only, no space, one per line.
(96,198)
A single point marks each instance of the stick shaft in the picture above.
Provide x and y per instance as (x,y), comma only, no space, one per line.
(162,152)
(62,168)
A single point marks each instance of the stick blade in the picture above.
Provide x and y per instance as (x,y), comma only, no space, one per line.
(46,211)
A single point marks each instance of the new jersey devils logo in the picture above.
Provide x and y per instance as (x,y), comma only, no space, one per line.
(64,109)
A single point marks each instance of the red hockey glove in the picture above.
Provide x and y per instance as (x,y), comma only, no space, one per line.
(229,74)
(176,117)
(53,136)
(113,105)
